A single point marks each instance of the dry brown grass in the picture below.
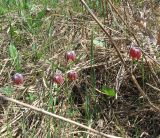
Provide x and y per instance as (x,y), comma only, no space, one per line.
(133,113)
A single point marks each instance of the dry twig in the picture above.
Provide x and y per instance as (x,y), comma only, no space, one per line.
(118,52)
(57,116)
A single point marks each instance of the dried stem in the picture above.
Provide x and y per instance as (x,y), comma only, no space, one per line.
(102,27)
(57,116)
(118,52)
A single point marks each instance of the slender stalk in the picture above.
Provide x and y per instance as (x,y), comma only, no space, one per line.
(57,116)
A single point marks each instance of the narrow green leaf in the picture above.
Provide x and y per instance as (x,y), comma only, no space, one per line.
(14,55)
(13,52)
(109,91)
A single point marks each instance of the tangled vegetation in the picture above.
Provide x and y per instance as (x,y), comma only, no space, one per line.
(96,62)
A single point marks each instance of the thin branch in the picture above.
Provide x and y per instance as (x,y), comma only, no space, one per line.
(131,32)
(118,52)
(57,116)
(153,87)
(102,27)
(150,57)
(128,28)
(143,93)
